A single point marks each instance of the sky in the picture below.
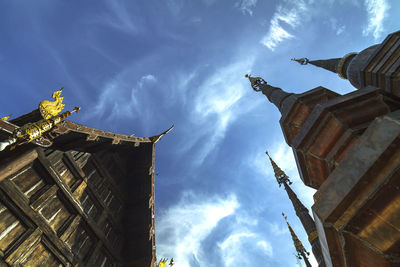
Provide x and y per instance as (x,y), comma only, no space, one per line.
(137,67)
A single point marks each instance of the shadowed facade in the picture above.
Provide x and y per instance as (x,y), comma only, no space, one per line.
(79,196)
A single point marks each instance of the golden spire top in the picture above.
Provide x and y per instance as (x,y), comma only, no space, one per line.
(297,243)
(280,175)
(256,82)
(49,108)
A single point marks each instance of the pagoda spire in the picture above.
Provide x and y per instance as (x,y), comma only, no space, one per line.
(301,211)
(336,65)
(280,175)
(302,253)
(274,94)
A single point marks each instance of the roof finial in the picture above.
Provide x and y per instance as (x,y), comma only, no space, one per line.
(336,65)
(301,61)
(256,82)
(302,253)
(156,138)
(274,94)
(280,175)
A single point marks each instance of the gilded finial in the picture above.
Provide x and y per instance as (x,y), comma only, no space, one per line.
(49,108)
(301,61)
(6,118)
(280,175)
(301,251)
(256,82)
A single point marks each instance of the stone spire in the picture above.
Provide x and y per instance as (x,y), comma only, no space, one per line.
(301,211)
(336,65)
(302,253)
(274,94)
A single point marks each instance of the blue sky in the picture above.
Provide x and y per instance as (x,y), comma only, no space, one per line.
(141,66)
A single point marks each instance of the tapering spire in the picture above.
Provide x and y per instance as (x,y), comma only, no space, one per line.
(302,253)
(336,65)
(301,211)
(274,94)
(280,175)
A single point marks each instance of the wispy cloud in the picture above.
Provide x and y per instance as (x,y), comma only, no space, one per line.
(289,15)
(336,26)
(266,247)
(118,17)
(377,12)
(218,102)
(236,244)
(246,6)
(118,99)
(183,227)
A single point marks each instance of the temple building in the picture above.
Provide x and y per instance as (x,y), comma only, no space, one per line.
(347,147)
(71,195)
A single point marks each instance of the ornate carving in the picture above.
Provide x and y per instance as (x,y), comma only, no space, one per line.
(301,61)
(280,175)
(256,82)
(49,108)
(32,131)
(301,251)
(5,118)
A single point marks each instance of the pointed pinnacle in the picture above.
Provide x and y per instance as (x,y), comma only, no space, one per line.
(280,175)
(301,61)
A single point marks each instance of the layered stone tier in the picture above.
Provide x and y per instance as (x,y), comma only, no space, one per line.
(357,208)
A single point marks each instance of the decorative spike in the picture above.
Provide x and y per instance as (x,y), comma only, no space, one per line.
(256,82)
(280,175)
(301,61)
(274,94)
(301,211)
(336,65)
(302,253)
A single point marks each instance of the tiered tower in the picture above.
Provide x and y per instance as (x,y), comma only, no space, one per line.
(347,147)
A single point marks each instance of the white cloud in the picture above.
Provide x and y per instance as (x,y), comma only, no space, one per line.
(183,227)
(377,11)
(237,244)
(246,6)
(219,101)
(121,98)
(336,27)
(289,15)
(278,229)
(266,247)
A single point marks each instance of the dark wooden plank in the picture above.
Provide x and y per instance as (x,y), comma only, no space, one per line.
(75,203)
(13,165)
(11,228)
(20,200)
